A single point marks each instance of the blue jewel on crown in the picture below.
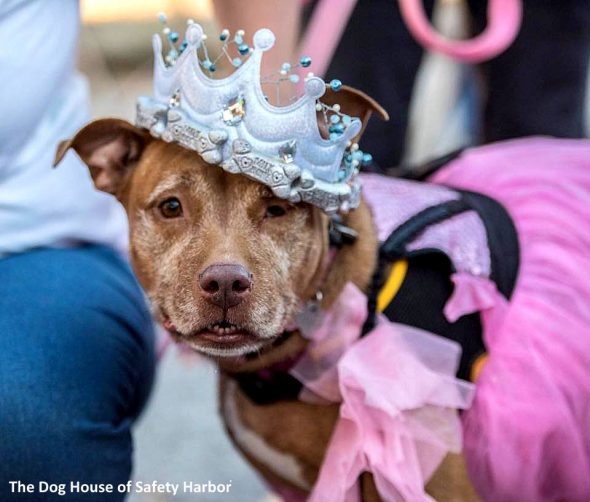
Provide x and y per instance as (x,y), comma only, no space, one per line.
(229,121)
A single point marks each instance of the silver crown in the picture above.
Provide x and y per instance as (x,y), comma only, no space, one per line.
(229,122)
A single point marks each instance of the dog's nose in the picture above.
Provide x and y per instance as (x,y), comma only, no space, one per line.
(225,284)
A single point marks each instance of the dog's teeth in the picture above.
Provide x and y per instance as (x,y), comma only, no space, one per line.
(224,328)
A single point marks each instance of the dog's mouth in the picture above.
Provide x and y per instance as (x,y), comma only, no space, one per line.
(224,332)
(222,338)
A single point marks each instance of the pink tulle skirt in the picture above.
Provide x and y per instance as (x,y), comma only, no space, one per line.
(527,435)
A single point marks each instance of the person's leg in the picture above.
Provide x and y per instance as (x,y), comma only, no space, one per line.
(538,85)
(76,367)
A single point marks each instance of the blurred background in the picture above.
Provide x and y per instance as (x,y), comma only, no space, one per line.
(116,50)
(180,436)
(116,55)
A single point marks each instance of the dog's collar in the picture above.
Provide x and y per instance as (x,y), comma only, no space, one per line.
(274,383)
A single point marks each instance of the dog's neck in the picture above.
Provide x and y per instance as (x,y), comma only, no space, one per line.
(354,262)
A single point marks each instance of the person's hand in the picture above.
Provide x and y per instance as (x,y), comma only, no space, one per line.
(283,17)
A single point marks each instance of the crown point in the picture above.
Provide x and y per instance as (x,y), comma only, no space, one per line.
(264,39)
(157,45)
(194,34)
(314,87)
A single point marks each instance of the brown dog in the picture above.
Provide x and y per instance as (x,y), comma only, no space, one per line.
(227,264)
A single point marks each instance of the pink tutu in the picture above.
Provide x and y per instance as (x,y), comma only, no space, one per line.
(399,398)
(527,435)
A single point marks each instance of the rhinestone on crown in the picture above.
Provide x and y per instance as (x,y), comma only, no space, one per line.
(229,121)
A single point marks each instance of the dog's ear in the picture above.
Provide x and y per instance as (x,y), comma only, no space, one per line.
(354,103)
(110,148)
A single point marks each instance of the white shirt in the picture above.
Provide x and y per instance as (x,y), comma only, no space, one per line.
(43,100)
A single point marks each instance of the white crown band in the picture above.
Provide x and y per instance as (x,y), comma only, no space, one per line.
(229,122)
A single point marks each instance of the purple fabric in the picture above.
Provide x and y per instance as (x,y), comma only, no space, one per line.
(394,201)
(527,436)
(462,238)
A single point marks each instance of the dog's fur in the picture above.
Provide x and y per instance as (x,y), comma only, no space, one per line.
(226,219)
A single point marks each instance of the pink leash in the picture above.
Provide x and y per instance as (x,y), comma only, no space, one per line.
(331,17)
(504,18)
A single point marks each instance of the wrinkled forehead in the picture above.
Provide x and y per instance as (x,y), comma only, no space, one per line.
(167,169)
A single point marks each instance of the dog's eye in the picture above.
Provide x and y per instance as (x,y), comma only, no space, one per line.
(275,211)
(171,208)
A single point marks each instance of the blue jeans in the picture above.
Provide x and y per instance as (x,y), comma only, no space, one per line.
(76,367)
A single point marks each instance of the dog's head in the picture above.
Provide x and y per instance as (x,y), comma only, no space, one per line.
(226,263)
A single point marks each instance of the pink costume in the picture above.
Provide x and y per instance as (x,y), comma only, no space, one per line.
(527,434)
